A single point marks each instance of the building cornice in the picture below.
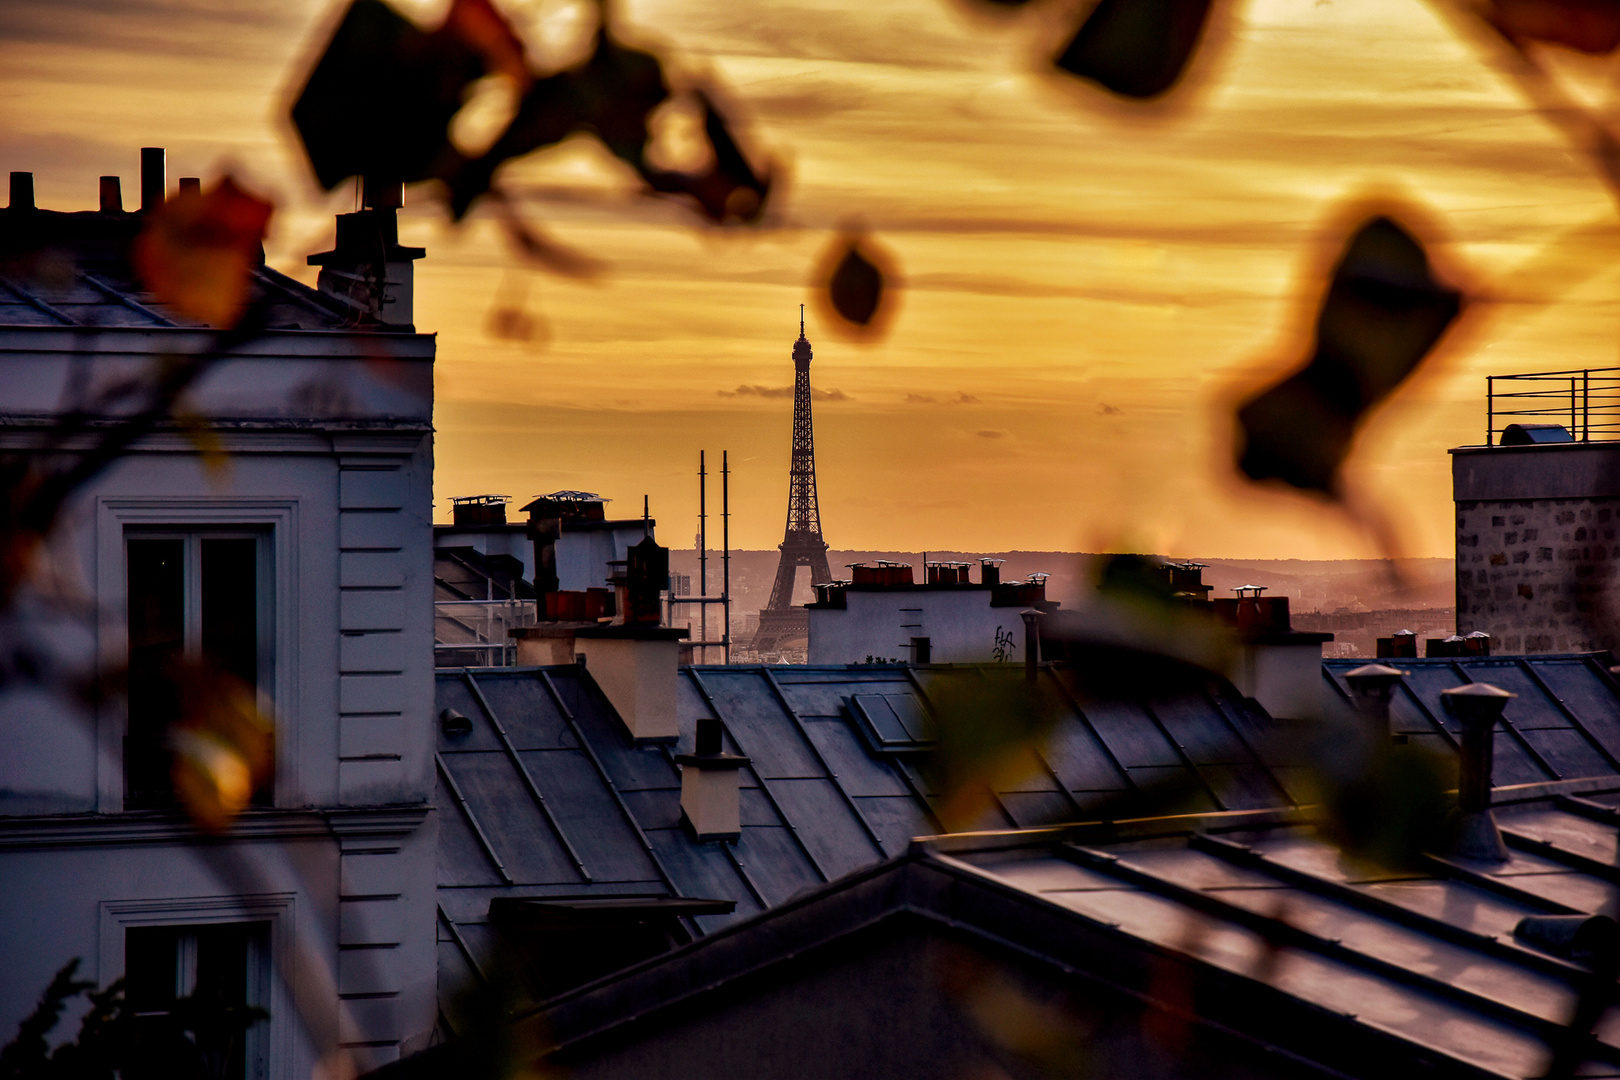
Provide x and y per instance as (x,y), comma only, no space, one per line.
(171,827)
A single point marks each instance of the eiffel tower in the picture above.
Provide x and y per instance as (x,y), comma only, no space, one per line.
(802,545)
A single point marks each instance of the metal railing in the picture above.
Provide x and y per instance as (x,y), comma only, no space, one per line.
(472,633)
(1586,402)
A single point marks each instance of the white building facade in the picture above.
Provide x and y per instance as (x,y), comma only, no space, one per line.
(301,560)
(881,615)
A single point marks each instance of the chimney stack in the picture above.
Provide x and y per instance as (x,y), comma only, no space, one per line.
(154,178)
(711,799)
(190,185)
(367,269)
(112,195)
(1478,706)
(1371,687)
(990,571)
(1032,643)
(22,191)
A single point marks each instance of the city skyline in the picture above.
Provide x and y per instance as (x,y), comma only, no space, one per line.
(1086,292)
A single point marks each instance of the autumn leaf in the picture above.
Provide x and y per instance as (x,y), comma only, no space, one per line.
(1383,313)
(1136,48)
(222,747)
(197,252)
(1589,26)
(857,284)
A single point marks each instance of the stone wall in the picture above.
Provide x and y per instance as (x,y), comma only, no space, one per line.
(1540,575)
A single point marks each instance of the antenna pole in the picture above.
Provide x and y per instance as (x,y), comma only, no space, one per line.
(725,558)
(703,545)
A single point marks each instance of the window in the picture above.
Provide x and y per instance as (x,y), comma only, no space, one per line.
(197,600)
(198,995)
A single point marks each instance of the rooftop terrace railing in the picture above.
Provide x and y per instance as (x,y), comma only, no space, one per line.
(1586,402)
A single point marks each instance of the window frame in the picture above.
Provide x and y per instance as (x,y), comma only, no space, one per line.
(275,523)
(278,909)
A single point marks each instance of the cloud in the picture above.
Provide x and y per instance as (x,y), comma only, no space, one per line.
(959,398)
(988,434)
(747,390)
(921,399)
(964,398)
(1110,410)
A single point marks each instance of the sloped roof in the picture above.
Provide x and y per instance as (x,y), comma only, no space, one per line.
(1564,723)
(107,296)
(547,795)
(1248,918)
(70,269)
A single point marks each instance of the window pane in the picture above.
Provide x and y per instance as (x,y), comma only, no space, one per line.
(230,615)
(230,607)
(190,988)
(157,634)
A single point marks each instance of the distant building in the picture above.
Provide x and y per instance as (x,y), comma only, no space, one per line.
(492,575)
(883,614)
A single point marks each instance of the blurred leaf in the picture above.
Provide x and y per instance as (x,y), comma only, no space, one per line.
(856,286)
(1136,48)
(859,280)
(222,747)
(1381,803)
(206,441)
(730,190)
(198,251)
(1590,26)
(476,24)
(984,728)
(379,101)
(1383,312)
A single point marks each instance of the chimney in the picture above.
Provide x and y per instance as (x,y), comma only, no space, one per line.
(475,511)
(22,191)
(1032,643)
(190,185)
(1278,666)
(710,796)
(154,179)
(990,571)
(646,574)
(1401,645)
(112,195)
(1478,706)
(1371,687)
(636,667)
(367,269)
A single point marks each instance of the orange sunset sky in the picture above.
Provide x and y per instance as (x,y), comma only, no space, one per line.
(1087,288)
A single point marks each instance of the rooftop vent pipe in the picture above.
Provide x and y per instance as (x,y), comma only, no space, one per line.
(154,177)
(1478,706)
(22,191)
(710,795)
(112,195)
(1371,688)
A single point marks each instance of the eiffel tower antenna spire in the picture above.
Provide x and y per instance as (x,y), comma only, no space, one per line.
(802,543)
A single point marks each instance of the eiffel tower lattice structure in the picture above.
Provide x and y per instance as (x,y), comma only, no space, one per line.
(802,545)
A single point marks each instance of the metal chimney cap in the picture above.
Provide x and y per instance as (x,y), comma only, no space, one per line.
(1478,690)
(1255,589)
(1377,671)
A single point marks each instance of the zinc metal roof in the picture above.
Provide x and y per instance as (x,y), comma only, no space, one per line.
(84,279)
(547,795)
(1565,722)
(1248,918)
